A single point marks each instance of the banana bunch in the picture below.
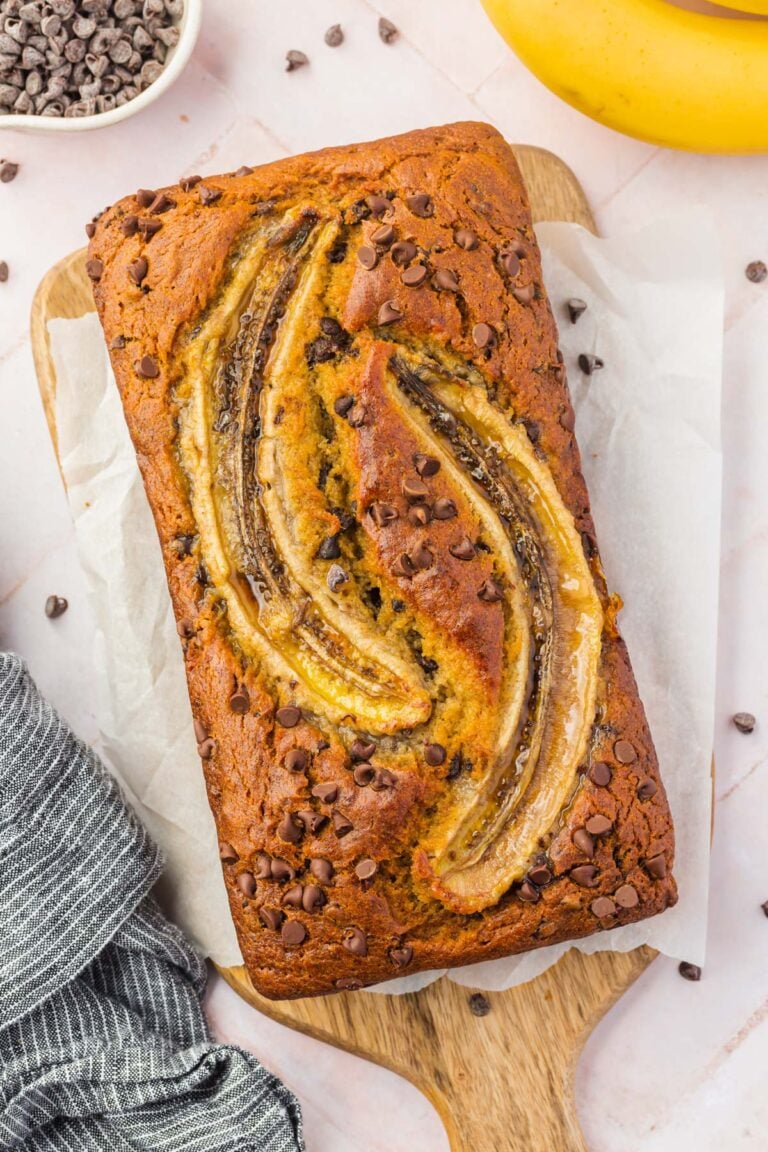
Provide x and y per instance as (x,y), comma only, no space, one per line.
(649,69)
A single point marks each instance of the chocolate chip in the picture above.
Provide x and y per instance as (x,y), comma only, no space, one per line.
(8,171)
(321,869)
(95,270)
(403,566)
(336,577)
(656,866)
(329,548)
(446,280)
(378,205)
(389,313)
(296,760)
(354,941)
(402,252)
(295,59)
(626,896)
(510,262)
(281,871)
(312,821)
(293,896)
(341,825)
(415,491)
(147,367)
(138,270)
(576,308)
(366,868)
(585,875)
(479,1005)
(398,605)
(689,971)
(603,907)
(246,882)
(244,170)
(117,343)
(293,933)
(464,550)
(482,336)
(419,515)
(145,196)
(205,750)
(600,774)
(383,236)
(755,271)
(387,30)
(3,272)
(334,36)
(434,754)
(187,183)
(646,789)
(624,752)
(414,276)
(240,701)
(201,733)
(525,293)
(227,854)
(589,363)
(363,775)
(361,751)
(208,195)
(584,842)
(271,918)
(185,629)
(368,257)
(383,779)
(764,907)
(466,239)
(490,592)
(401,957)
(342,406)
(420,204)
(744,721)
(161,204)
(56,606)
(148,227)
(263,866)
(348,984)
(598,825)
(288,830)
(313,898)
(288,716)
(540,875)
(421,557)
(382,514)
(443,509)
(129,225)
(528,892)
(326,793)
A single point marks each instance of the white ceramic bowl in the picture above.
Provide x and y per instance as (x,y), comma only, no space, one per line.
(189,27)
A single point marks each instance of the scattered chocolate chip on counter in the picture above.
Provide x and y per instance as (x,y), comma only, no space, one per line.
(8,170)
(589,363)
(3,272)
(334,36)
(55,606)
(479,1005)
(576,308)
(764,907)
(744,721)
(756,271)
(295,59)
(689,971)
(387,30)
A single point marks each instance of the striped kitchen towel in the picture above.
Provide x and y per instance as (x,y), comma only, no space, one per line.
(103,1042)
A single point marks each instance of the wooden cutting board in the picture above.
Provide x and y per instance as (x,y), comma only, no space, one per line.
(503,1081)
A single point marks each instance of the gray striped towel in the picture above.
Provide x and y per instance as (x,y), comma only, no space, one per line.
(103,1042)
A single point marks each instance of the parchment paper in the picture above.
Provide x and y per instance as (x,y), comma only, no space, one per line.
(648,427)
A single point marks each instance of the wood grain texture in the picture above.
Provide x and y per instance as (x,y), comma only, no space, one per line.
(502,1082)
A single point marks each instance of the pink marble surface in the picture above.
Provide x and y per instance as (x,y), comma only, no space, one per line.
(675,1066)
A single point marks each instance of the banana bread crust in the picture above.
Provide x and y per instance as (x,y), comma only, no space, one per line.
(456,194)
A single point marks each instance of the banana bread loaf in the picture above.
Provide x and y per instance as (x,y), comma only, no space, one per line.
(420,731)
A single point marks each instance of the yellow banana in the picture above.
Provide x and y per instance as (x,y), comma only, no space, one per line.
(654,71)
(757,7)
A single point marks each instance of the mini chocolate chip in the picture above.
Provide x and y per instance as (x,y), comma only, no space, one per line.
(334,36)
(138,270)
(656,866)
(464,550)
(510,262)
(598,825)
(415,491)
(624,752)
(296,760)
(271,918)
(764,907)
(387,30)
(744,721)
(348,984)
(600,774)
(389,313)
(129,225)
(379,205)
(443,509)
(584,842)
(342,406)
(402,252)
(422,557)
(246,882)
(244,170)
(321,869)
(446,280)
(420,204)
(147,367)
(401,957)
(145,196)
(116,343)
(414,276)
(208,195)
(295,59)
(288,716)
(528,892)
(525,293)
(434,754)
(383,236)
(90,229)
(363,775)
(366,868)
(341,825)
(589,363)
(482,335)
(383,779)
(281,871)
(689,971)
(56,606)
(148,227)
(329,548)
(382,514)
(585,875)
(293,933)
(288,830)
(95,269)
(326,793)
(603,907)
(354,941)
(205,750)
(361,751)
(490,592)
(8,170)
(312,898)
(4,272)
(312,821)
(567,419)
(201,732)
(479,1005)
(540,875)
(227,854)
(626,896)
(336,577)
(262,869)
(367,257)
(398,605)
(240,701)
(756,271)
(293,896)
(185,629)
(466,239)
(403,566)
(187,183)
(419,515)
(646,789)
(576,308)
(160,204)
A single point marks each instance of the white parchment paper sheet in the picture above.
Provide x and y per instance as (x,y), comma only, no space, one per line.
(648,427)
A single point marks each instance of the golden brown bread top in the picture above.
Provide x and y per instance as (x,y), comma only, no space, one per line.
(341,376)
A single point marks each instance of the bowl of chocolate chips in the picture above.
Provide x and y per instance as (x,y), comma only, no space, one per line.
(73,65)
